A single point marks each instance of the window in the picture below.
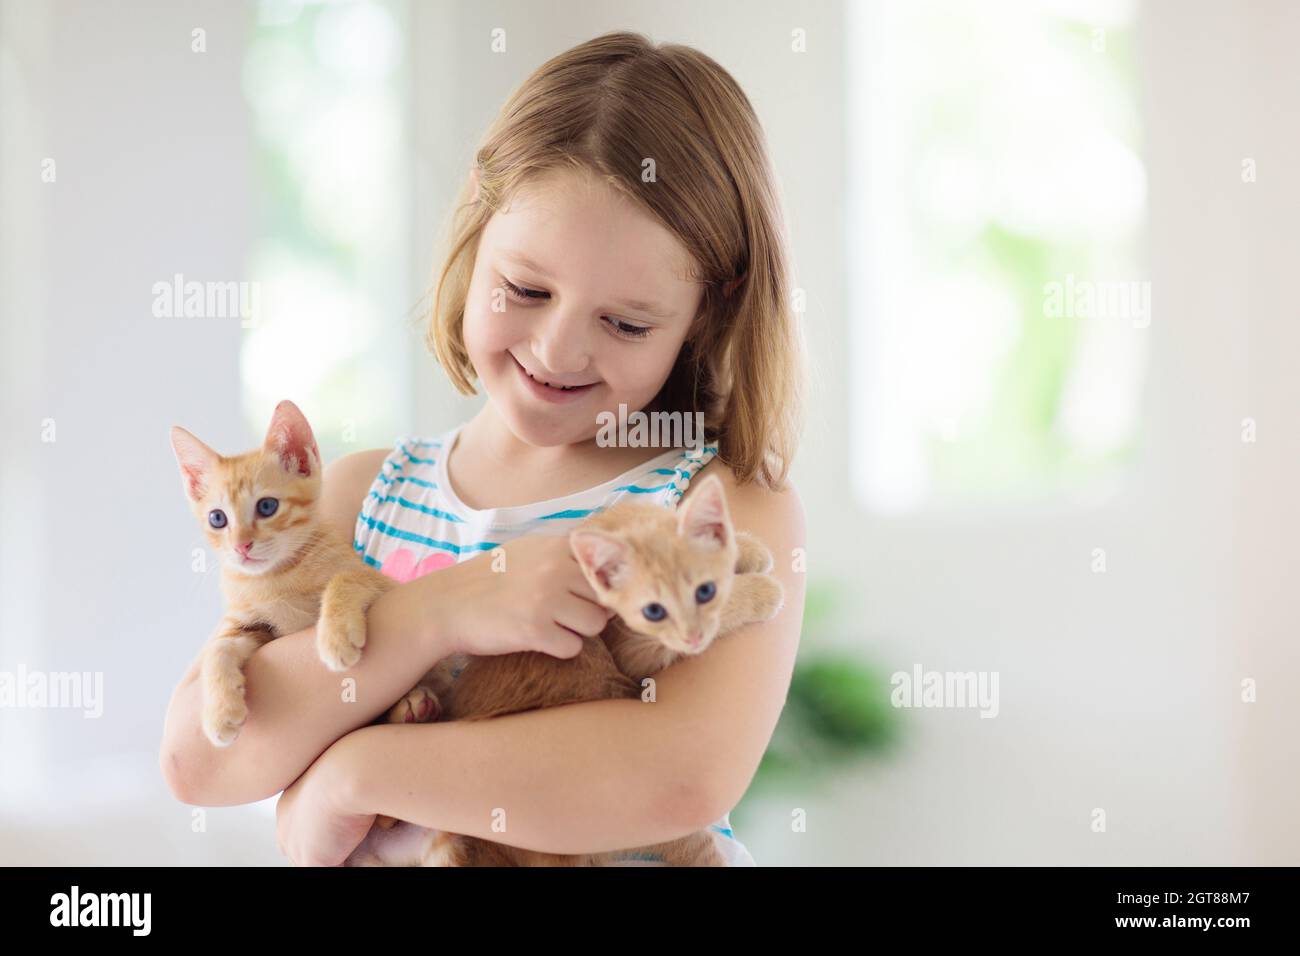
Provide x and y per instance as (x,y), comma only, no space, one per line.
(326,88)
(997,203)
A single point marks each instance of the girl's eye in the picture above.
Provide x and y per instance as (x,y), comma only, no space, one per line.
(630,331)
(217,518)
(518,292)
(625,329)
(654,612)
(704,593)
(266,506)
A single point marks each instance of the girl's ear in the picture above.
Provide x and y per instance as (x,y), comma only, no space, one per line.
(196,461)
(602,557)
(703,516)
(291,440)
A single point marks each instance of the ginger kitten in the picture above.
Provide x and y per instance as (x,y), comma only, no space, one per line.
(677,581)
(283,568)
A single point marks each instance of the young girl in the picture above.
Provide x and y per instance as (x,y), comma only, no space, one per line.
(618,246)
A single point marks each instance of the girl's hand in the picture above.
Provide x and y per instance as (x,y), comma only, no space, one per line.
(538,600)
(313,825)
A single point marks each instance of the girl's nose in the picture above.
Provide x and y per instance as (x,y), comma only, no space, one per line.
(561,345)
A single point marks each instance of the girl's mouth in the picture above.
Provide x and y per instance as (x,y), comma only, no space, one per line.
(551,393)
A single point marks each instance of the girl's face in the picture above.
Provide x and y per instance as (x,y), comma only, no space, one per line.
(574,286)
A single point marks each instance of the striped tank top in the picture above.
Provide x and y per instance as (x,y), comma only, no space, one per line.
(412,523)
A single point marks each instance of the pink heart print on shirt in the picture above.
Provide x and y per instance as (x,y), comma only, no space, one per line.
(401,565)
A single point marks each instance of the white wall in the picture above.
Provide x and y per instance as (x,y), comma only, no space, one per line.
(152,179)
(1240,244)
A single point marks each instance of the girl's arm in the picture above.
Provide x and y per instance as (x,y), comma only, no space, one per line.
(297,706)
(603,775)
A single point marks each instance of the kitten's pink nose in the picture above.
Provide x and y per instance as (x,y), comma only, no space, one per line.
(244,548)
(694,639)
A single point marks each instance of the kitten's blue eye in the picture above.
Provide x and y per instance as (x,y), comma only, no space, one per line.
(266,506)
(217,518)
(654,612)
(704,593)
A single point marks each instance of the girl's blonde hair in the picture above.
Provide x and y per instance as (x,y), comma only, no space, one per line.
(606,107)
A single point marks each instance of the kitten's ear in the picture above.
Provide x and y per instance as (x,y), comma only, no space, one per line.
(197,461)
(291,440)
(602,557)
(703,516)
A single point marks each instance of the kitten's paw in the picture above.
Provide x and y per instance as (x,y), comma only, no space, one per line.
(420,706)
(768,595)
(339,644)
(752,555)
(222,719)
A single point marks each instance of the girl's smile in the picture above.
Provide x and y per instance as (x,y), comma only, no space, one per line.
(549,392)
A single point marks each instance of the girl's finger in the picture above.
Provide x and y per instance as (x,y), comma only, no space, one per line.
(560,642)
(580,616)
